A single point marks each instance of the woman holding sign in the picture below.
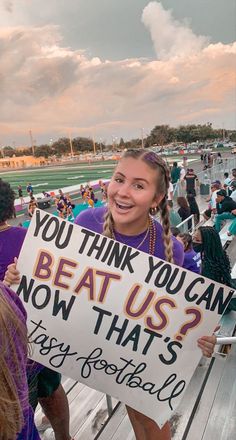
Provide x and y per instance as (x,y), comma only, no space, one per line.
(137,191)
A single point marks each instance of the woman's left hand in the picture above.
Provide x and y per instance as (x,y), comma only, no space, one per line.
(207,345)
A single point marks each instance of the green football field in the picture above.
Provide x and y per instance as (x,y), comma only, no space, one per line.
(48,179)
(54,177)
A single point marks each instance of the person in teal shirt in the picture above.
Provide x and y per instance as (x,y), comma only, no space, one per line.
(175,173)
(175,218)
(232,228)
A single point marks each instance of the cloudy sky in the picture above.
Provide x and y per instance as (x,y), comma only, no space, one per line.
(109,68)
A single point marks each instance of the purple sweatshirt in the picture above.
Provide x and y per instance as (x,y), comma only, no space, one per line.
(93,219)
(192,261)
(11,241)
(29,431)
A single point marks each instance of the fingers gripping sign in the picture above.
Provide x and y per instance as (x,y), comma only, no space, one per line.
(12,275)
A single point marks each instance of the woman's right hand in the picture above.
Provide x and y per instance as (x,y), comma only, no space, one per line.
(12,275)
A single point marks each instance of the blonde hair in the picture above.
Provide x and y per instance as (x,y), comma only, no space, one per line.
(156,163)
(11,411)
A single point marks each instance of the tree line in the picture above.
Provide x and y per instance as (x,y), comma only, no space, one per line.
(160,135)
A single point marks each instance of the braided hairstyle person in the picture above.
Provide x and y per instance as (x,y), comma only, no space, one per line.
(156,163)
(137,190)
(186,239)
(215,261)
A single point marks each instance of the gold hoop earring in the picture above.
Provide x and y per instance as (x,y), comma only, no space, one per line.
(153,211)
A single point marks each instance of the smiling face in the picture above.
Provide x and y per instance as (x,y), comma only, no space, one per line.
(131,193)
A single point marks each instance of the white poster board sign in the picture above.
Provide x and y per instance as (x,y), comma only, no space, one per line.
(112,317)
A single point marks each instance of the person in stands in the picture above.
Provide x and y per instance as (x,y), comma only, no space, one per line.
(175,173)
(215,261)
(194,209)
(227,181)
(184,210)
(224,206)
(219,159)
(232,226)
(191,179)
(175,218)
(215,186)
(233,176)
(233,190)
(192,259)
(174,231)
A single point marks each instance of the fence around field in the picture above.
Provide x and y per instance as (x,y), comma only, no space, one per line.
(183,226)
(217,171)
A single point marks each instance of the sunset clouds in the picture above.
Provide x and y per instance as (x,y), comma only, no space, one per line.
(53,89)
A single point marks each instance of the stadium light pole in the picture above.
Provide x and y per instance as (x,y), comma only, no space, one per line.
(114,141)
(94,147)
(71,146)
(32,141)
(223,131)
(142,136)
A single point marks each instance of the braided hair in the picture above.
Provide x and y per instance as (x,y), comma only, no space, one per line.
(215,261)
(194,209)
(108,224)
(156,163)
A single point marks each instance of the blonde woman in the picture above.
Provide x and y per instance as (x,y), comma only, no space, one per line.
(137,190)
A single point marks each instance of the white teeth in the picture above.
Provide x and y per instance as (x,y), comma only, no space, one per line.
(122,206)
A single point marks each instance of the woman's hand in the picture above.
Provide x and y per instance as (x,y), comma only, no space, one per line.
(12,275)
(207,345)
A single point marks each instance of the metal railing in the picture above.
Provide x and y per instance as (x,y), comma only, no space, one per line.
(207,176)
(217,171)
(226,340)
(183,226)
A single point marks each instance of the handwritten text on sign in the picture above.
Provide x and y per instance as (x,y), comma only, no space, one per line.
(113,317)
